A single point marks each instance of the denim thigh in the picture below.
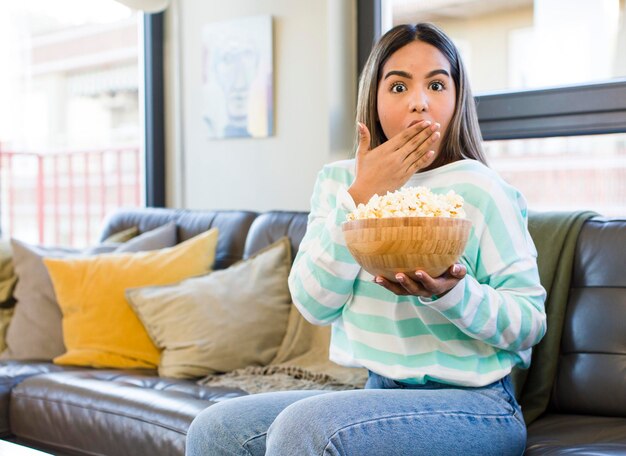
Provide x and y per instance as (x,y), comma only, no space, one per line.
(388,418)
(238,426)
(432,419)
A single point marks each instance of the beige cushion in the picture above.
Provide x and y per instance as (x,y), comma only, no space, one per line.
(7,275)
(222,321)
(36,331)
(5,319)
(122,236)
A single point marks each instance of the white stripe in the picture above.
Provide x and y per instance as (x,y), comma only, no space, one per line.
(456,376)
(396,311)
(511,332)
(416,345)
(525,356)
(322,259)
(308,316)
(492,297)
(539,322)
(312,286)
(342,358)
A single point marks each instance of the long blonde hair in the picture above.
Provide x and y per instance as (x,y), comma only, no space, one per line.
(462,138)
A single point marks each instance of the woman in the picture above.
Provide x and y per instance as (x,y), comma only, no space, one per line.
(439,350)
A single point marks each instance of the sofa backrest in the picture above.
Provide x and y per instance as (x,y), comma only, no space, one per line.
(268,227)
(591,378)
(233,227)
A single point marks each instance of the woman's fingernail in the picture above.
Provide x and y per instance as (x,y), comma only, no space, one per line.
(455,269)
(399,277)
(378,280)
(418,275)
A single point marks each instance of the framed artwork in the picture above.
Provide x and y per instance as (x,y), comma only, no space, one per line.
(237,79)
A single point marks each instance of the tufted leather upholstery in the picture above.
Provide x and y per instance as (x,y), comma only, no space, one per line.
(89,411)
(113,412)
(588,405)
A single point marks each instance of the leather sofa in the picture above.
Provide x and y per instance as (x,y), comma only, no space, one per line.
(79,411)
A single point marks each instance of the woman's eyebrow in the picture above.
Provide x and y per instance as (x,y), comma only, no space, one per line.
(400,73)
(407,75)
(435,72)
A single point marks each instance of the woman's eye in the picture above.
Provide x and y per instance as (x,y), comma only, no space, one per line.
(398,87)
(437,86)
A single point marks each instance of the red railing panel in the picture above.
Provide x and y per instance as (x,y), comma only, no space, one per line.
(40,193)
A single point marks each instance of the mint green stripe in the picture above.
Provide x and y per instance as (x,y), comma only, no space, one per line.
(471,363)
(331,200)
(313,230)
(458,310)
(341,253)
(370,289)
(483,315)
(329,281)
(410,327)
(496,225)
(316,309)
(340,175)
(336,251)
(522,279)
(339,339)
(524,330)
(526,326)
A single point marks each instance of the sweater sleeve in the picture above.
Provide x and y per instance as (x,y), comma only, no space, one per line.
(322,277)
(502,301)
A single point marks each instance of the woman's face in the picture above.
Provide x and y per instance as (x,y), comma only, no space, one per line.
(416,84)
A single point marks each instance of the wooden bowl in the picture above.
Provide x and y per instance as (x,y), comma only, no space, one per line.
(386,246)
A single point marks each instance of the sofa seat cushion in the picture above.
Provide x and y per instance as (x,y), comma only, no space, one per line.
(109,411)
(556,434)
(11,374)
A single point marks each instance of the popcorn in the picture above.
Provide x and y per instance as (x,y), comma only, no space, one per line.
(411,202)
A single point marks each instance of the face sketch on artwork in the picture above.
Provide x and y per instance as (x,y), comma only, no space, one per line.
(235,66)
(237,78)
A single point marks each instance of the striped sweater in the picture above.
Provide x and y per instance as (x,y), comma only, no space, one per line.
(474,334)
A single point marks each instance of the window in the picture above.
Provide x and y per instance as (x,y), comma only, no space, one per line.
(558,173)
(510,45)
(544,72)
(70,129)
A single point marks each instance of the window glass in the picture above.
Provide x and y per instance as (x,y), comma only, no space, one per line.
(565,173)
(516,45)
(69,122)
(527,44)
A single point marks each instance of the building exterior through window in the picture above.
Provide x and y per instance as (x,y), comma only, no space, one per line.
(70,132)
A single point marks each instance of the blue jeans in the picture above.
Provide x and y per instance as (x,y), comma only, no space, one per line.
(386,418)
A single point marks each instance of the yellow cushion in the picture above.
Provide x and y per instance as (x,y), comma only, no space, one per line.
(99,327)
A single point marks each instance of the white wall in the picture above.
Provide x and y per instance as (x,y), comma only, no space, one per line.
(314,103)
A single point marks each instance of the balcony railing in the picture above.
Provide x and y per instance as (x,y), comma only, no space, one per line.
(61,197)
